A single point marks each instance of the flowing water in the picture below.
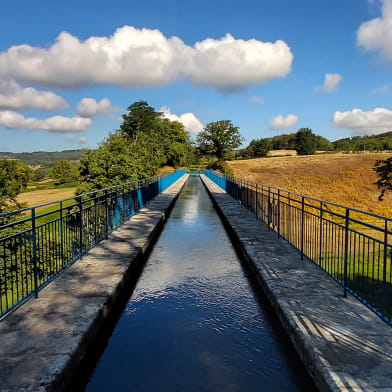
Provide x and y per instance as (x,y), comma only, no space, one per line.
(194,321)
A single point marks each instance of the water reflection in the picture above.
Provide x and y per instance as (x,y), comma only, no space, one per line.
(193,323)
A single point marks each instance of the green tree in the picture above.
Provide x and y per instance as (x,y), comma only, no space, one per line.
(305,142)
(14,176)
(323,144)
(343,145)
(261,147)
(383,169)
(176,143)
(64,171)
(283,142)
(219,138)
(145,142)
(140,119)
(40,173)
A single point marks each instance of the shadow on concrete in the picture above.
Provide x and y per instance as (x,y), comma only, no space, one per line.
(43,342)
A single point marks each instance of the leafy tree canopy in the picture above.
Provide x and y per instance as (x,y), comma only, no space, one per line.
(305,142)
(384,171)
(64,171)
(141,118)
(145,142)
(14,176)
(260,147)
(219,138)
(380,142)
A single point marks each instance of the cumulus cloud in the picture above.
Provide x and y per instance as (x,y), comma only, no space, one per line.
(13,96)
(12,120)
(134,57)
(331,82)
(376,34)
(233,64)
(89,107)
(361,122)
(191,123)
(282,122)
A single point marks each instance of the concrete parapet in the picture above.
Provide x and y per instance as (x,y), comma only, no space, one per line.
(344,345)
(44,340)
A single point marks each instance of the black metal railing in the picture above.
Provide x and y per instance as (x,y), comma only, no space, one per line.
(352,246)
(37,243)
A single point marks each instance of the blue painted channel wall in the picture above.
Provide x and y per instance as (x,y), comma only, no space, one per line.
(35,246)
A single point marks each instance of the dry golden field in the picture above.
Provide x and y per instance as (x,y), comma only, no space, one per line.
(346,179)
(164,170)
(43,196)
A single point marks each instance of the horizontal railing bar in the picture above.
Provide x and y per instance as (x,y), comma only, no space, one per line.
(316,200)
(33,256)
(353,247)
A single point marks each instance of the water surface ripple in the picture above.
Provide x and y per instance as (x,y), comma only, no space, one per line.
(193,322)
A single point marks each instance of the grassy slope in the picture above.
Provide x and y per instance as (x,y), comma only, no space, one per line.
(346,179)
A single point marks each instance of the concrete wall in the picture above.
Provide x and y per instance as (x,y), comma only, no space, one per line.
(344,345)
(43,342)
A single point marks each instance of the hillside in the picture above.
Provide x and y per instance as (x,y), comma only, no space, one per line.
(380,142)
(346,179)
(43,157)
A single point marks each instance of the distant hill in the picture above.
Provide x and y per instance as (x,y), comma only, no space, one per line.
(43,157)
(382,141)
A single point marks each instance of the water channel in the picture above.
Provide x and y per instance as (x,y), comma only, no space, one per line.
(194,321)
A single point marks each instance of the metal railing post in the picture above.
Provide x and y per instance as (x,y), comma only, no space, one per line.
(61,234)
(346,226)
(278,213)
(384,272)
(321,233)
(256,199)
(269,207)
(106,214)
(80,205)
(302,225)
(35,260)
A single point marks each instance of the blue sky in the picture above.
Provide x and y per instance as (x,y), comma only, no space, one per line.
(68,70)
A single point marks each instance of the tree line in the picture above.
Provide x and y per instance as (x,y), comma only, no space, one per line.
(43,158)
(306,142)
(146,141)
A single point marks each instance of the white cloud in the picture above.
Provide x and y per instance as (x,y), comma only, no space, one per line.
(331,82)
(282,122)
(360,122)
(233,64)
(89,107)
(376,34)
(83,140)
(191,123)
(13,96)
(256,100)
(134,57)
(385,89)
(13,120)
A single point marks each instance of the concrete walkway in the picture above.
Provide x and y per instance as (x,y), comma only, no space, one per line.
(43,342)
(344,345)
